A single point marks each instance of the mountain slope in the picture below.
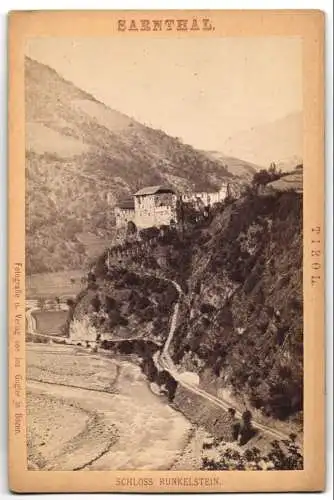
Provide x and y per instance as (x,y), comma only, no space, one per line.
(245,333)
(241,320)
(239,168)
(280,142)
(79,154)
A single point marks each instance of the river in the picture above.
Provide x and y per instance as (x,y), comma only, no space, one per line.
(90,412)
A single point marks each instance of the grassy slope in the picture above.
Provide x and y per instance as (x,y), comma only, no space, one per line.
(239,168)
(77,151)
(62,284)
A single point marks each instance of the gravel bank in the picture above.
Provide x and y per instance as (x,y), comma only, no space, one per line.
(86,412)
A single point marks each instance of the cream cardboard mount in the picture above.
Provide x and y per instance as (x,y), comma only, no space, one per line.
(166,298)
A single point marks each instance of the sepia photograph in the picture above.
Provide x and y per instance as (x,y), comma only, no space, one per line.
(164,304)
(166,291)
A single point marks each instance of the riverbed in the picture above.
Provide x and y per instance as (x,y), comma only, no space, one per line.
(86,411)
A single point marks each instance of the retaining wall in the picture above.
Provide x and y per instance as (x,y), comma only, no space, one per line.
(201,412)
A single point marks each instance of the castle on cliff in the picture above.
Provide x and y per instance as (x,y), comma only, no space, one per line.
(158,205)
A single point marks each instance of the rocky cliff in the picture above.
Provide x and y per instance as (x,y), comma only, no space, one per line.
(240,325)
(244,331)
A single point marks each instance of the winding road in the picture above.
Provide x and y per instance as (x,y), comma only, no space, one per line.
(166,363)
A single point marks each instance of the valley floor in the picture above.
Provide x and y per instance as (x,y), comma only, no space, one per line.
(104,415)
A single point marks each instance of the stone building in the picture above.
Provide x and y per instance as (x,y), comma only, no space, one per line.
(207,198)
(155,206)
(125,212)
(158,205)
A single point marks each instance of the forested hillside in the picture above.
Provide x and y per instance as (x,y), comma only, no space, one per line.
(241,320)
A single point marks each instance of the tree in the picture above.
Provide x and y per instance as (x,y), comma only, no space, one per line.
(246,428)
(131,228)
(91,277)
(272,168)
(263,176)
(96,303)
(41,303)
(189,213)
(149,233)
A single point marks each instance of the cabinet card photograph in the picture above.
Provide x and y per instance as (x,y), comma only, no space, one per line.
(166,295)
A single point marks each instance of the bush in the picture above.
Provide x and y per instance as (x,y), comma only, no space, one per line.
(131,279)
(131,228)
(149,233)
(263,177)
(110,303)
(207,308)
(96,303)
(284,455)
(147,314)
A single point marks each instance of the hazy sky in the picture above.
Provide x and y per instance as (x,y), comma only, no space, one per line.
(202,90)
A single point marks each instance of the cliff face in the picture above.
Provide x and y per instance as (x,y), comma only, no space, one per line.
(243,334)
(122,304)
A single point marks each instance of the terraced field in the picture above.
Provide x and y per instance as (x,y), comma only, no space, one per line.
(50,322)
(63,284)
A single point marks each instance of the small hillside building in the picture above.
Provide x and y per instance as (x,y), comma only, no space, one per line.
(207,198)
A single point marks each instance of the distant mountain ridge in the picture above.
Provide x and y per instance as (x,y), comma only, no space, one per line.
(239,168)
(280,141)
(79,155)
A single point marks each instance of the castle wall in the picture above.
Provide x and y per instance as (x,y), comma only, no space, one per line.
(205,197)
(161,208)
(155,210)
(123,216)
